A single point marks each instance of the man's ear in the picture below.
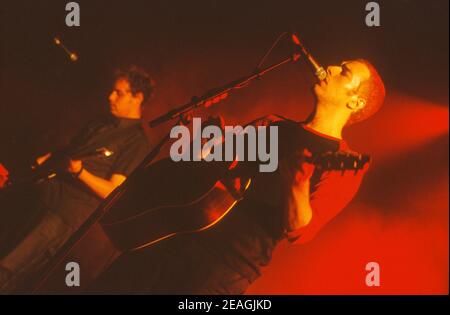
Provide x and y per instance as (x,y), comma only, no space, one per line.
(356,103)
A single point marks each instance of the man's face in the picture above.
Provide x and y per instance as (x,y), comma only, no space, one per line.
(341,82)
(122,101)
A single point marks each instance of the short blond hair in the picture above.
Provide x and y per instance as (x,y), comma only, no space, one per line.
(372,91)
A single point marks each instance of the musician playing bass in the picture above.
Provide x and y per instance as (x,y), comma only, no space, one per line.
(71,197)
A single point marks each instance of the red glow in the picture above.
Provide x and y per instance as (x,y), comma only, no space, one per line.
(412,251)
(406,233)
(403,123)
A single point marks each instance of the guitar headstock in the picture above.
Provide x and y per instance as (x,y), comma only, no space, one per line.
(340,160)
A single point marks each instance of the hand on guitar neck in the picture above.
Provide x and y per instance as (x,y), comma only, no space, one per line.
(297,172)
(73,167)
(50,164)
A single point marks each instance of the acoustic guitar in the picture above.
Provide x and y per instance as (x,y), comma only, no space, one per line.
(154,207)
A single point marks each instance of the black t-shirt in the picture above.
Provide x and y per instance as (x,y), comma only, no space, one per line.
(124,138)
(245,238)
(228,257)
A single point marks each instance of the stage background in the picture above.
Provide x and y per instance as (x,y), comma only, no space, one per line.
(400,216)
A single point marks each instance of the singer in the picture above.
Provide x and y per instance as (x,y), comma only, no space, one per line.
(293,203)
(70,198)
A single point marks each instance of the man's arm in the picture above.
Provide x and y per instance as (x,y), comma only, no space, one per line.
(334,192)
(297,173)
(100,186)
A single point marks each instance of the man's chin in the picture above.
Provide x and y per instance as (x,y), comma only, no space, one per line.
(317,89)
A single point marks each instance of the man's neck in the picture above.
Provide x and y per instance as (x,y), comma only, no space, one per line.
(327,122)
(136,114)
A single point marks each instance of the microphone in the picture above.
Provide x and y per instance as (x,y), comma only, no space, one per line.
(319,71)
(72,55)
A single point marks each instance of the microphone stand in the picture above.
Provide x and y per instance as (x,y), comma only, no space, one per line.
(219,93)
(208,98)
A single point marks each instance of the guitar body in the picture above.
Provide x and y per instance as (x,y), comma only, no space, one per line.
(158,202)
(170,198)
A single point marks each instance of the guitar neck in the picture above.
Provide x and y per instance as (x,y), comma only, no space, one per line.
(339,161)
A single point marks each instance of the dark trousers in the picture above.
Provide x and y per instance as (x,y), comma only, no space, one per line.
(172,266)
(33,252)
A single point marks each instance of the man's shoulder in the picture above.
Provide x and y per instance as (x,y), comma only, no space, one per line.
(136,134)
(275,120)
